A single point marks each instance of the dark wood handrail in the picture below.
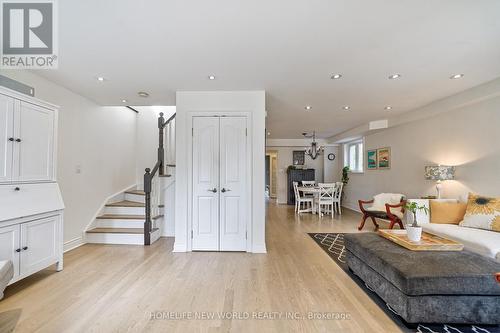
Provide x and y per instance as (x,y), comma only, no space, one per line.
(149,175)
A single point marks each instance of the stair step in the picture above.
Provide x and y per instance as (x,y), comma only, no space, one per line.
(165,176)
(136,192)
(116,231)
(126,217)
(126,203)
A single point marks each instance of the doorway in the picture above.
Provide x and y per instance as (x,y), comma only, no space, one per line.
(271,174)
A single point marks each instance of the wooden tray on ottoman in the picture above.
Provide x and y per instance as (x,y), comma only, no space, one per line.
(429,242)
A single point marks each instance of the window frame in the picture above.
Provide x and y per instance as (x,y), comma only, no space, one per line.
(359,155)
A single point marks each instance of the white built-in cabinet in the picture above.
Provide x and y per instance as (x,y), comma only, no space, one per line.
(220,179)
(31,206)
(27,134)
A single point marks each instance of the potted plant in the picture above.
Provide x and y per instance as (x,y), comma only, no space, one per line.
(414,231)
(345,180)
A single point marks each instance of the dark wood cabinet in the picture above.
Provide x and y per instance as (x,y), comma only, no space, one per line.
(297,175)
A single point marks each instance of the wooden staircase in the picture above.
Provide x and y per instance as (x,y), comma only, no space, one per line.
(122,222)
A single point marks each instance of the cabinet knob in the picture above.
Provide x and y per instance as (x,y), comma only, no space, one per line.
(25,248)
(17,189)
(18,140)
(18,250)
(11,139)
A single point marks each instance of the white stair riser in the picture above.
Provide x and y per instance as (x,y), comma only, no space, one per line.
(115,223)
(135,197)
(125,210)
(111,238)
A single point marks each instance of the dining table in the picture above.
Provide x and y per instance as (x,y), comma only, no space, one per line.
(314,190)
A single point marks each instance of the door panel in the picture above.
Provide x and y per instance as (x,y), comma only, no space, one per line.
(205,217)
(233,183)
(6,132)
(9,243)
(35,128)
(39,244)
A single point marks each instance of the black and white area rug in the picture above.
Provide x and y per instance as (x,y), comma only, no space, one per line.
(333,245)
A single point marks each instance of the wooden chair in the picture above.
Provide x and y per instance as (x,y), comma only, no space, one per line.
(308,183)
(326,197)
(393,212)
(337,198)
(300,200)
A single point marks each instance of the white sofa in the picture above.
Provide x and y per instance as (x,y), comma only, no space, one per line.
(483,242)
(6,274)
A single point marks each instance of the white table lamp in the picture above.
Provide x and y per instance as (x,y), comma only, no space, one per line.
(439,173)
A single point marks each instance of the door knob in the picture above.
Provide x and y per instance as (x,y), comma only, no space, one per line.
(17,189)
(25,248)
(11,139)
(18,140)
(18,250)
(225,190)
(212,190)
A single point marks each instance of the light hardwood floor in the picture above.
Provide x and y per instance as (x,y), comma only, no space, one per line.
(114,288)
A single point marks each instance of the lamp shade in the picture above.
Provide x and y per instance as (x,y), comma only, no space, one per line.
(439,172)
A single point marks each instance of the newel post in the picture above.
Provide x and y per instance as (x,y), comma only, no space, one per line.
(147,221)
(161,149)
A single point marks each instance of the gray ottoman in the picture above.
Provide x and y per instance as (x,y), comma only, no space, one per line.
(430,286)
(6,274)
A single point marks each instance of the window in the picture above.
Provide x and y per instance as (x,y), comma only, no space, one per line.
(353,155)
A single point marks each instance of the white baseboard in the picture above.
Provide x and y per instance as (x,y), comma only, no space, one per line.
(350,207)
(259,249)
(73,244)
(179,247)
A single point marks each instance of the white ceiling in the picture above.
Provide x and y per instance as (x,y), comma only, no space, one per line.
(288,48)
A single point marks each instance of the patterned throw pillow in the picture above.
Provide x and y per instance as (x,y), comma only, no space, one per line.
(482,212)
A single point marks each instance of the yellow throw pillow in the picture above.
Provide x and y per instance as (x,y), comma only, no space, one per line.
(447,212)
(482,212)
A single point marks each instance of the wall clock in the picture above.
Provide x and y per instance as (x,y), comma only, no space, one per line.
(331,156)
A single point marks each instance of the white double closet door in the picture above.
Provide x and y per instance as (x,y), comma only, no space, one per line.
(220,205)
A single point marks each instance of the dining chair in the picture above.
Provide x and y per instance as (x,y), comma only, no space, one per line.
(337,198)
(301,201)
(325,198)
(308,183)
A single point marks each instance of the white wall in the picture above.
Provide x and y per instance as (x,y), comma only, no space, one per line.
(221,101)
(332,170)
(101,140)
(147,137)
(467,137)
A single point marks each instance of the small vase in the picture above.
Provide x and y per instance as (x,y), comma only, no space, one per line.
(414,233)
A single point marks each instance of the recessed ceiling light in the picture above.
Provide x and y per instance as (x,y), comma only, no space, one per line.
(394,76)
(456,76)
(211,77)
(308,107)
(124,101)
(336,76)
(346,107)
(100,79)
(388,107)
(143,94)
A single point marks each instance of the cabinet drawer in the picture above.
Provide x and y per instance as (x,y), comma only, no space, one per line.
(23,200)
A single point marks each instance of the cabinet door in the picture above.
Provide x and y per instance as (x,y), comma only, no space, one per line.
(33,155)
(205,210)
(234,201)
(6,137)
(9,246)
(39,241)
